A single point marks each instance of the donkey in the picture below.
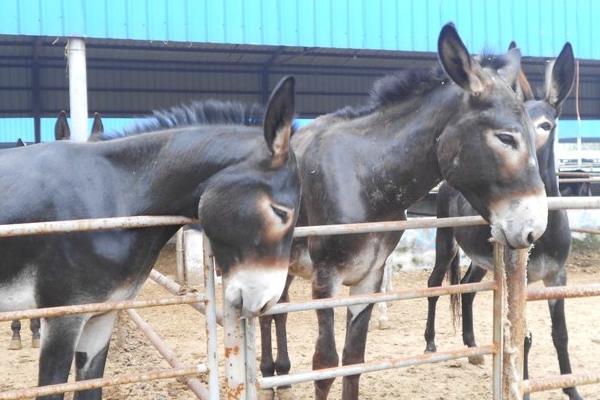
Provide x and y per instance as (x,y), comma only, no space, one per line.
(240,180)
(372,163)
(61,132)
(547,260)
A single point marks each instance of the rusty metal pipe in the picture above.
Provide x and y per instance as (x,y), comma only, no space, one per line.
(103,382)
(174,288)
(563,292)
(498,323)
(52,312)
(407,294)
(586,230)
(372,366)
(163,348)
(560,381)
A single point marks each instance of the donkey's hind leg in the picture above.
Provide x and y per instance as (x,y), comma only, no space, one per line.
(34,325)
(446,253)
(383,321)
(92,350)
(474,274)
(15,341)
(59,337)
(560,336)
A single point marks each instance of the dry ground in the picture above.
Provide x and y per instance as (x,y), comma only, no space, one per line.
(184,331)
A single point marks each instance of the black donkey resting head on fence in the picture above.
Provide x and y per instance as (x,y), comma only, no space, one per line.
(547,261)
(461,122)
(61,132)
(212,160)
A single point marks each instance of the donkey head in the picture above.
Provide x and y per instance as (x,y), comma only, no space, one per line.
(487,152)
(248,211)
(560,76)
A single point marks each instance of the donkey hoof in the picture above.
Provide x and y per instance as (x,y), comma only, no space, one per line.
(266,394)
(285,394)
(430,348)
(15,344)
(383,324)
(35,343)
(477,360)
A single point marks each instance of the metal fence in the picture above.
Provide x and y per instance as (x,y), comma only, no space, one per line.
(506,345)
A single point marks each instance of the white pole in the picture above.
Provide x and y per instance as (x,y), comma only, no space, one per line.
(77,89)
(211,319)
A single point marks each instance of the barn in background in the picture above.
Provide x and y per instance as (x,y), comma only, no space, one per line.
(147,54)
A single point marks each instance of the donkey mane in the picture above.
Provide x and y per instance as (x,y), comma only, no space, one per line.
(208,112)
(404,84)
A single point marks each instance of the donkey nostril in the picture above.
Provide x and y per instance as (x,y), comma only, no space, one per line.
(530,238)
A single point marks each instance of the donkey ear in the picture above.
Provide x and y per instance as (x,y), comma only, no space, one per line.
(20,143)
(61,127)
(97,126)
(510,71)
(457,62)
(512,45)
(560,75)
(278,120)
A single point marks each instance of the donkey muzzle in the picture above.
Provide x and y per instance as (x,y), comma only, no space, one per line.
(519,221)
(254,289)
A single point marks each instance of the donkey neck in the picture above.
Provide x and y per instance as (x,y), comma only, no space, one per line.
(398,149)
(545,156)
(170,169)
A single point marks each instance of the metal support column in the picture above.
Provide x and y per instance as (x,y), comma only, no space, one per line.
(78,101)
(211,320)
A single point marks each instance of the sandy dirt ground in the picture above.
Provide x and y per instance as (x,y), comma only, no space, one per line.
(184,330)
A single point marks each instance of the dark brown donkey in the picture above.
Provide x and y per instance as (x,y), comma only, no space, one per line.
(461,122)
(547,261)
(61,132)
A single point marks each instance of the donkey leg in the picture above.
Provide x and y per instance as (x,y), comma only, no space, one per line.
(383,321)
(526,349)
(267,365)
(34,325)
(59,337)
(15,341)
(325,355)
(560,336)
(92,349)
(445,254)
(357,327)
(282,362)
(474,274)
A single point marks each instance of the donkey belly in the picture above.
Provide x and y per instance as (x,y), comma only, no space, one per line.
(18,293)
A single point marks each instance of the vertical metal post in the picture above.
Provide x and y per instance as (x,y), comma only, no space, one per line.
(211,321)
(78,101)
(235,350)
(36,97)
(516,287)
(250,345)
(498,321)
(179,256)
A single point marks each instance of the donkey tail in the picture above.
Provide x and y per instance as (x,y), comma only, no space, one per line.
(453,275)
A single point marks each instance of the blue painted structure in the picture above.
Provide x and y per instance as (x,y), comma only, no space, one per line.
(539,26)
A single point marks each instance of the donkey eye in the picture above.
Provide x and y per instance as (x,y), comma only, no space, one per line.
(546,126)
(281,213)
(507,139)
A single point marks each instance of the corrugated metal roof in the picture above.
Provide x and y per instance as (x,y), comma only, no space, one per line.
(539,26)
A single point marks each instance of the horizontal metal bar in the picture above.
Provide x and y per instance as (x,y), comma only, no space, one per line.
(53,312)
(573,203)
(578,180)
(586,230)
(369,227)
(95,224)
(193,383)
(560,381)
(563,292)
(406,294)
(173,287)
(372,366)
(103,382)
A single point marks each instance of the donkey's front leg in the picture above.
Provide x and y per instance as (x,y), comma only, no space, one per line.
(325,355)
(59,337)
(282,362)
(92,350)
(34,325)
(357,327)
